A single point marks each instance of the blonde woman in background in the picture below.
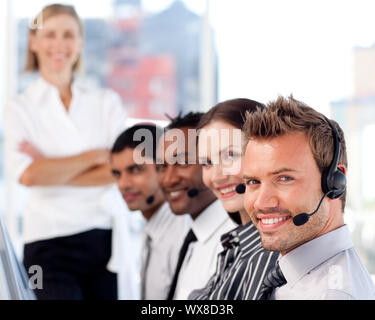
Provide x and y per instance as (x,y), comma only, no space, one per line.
(57,138)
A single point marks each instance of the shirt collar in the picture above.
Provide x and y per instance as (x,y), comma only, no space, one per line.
(301,260)
(209,220)
(43,88)
(157,224)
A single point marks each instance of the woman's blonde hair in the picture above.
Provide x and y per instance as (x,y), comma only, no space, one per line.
(46,13)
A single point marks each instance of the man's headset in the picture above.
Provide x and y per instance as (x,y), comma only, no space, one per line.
(333,179)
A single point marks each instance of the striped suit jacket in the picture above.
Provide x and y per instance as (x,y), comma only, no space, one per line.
(240,268)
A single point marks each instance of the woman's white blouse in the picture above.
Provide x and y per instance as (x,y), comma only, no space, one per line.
(95,119)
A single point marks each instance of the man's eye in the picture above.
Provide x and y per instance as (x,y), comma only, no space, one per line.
(233,155)
(252,182)
(182,165)
(205,162)
(286,178)
(160,167)
(182,161)
(116,174)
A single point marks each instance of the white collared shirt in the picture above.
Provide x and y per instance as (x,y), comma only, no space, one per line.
(94,120)
(200,260)
(167,232)
(325,268)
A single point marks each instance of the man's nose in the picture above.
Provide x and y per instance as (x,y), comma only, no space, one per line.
(266,197)
(170,177)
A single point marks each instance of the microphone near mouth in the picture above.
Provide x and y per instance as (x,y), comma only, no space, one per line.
(194,192)
(150,199)
(241,188)
(302,218)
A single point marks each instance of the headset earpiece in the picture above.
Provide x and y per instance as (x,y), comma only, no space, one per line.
(333,179)
(334,183)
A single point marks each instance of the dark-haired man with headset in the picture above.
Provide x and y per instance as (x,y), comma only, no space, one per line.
(180,178)
(295,166)
(133,166)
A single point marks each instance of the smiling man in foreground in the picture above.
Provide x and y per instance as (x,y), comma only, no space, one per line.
(295,166)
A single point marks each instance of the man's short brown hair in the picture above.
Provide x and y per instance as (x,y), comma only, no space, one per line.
(287,115)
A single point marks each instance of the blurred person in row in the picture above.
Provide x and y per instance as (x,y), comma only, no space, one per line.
(180,177)
(243,263)
(133,166)
(57,139)
(295,173)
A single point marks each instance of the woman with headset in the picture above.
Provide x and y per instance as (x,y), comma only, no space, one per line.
(243,262)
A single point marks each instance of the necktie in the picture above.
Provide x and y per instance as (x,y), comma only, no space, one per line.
(145,260)
(272,280)
(190,237)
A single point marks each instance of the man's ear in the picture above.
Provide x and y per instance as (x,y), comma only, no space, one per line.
(342,168)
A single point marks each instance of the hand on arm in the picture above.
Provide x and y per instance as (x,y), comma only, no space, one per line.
(27,148)
(58,171)
(98,176)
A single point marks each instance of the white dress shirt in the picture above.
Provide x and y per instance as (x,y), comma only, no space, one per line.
(325,268)
(200,260)
(95,119)
(166,232)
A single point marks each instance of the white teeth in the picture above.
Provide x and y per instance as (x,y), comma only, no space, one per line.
(227,190)
(175,193)
(273,221)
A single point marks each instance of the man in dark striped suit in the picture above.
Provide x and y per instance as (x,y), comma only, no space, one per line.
(240,267)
